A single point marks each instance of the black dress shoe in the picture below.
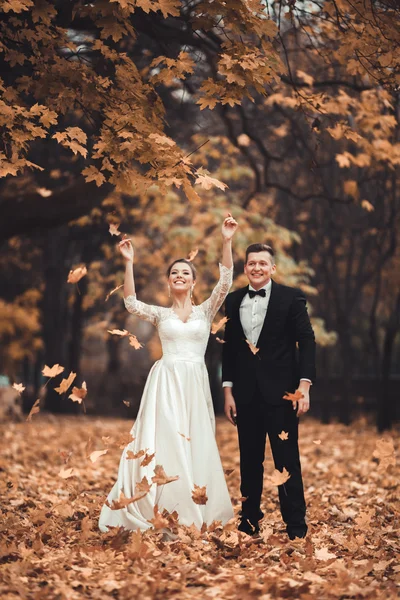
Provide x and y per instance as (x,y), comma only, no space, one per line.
(248,527)
(301,532)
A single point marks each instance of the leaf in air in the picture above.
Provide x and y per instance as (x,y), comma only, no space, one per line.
(220,341)
(44,192)
(279,477)
(78,394)
(158,521)
(160,477)
(143,486)
(66,473)
(76,274)
(94,456)
(147,459)
(123,501)
(206,182)
(113,229)
(317,442)
(193,254)
(133,341)
(65,383)
(184,436)
(293,397)
(34,410)
(19,387)
(217,326)
(113,291)
(132,455)
(199,495)
(252,347)
(283,435)
(120,332)
(52,371)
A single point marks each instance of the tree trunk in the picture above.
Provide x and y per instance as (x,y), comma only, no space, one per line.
(386,408)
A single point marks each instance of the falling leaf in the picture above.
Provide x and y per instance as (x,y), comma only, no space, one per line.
(243,140)
(66,473)
(113,229)
(366,205)
(133,341)
(127,403)
(217,326)
(123,501)
(94,456)
(113,291)
(79,394)
(199,495)
(220,341)
(132,456)
(143,486)
(184,436)
(65,383)
(283,435)
(121,332)
(147,459)
(193,254)
(76,274)
(34,410)
(161,478)
(293,397)
(317,442)
(384,452)
(252,347)
(19,387)
(278,477)
(206,182)
(45,193)
(52,371)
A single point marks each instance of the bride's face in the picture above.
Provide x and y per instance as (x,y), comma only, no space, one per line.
(181,278)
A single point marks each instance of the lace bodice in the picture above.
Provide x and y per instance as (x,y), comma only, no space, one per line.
(184,340)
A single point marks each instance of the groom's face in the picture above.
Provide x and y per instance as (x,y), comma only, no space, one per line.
(259,268)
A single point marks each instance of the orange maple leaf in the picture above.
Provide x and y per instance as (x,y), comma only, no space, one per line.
(193,254)
(199,495)
(293,397)
(217,326)
(147,459)
(113,291)
(34,410)
(79,394)
(76,274)
(131,455)
(279,477)
(161,478)
(19,387)
(133,341)
(252,347)
(220,341)
(94,456)
(66,473)
(123,501)
(65,383)
(283,435)
(121,332)
(52,371)
(158,521)
(113,229)
(142,486)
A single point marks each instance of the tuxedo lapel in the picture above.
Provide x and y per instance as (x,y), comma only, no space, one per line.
(236,308)
(271,311)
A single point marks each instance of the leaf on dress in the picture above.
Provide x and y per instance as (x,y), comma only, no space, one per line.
(113,229)
(252,347)
(199,495)
(76,274)
(94,456)
(113,291)
(160,477)
(133,341)
(19,387)
(78,394)
(52,371)
(65,383)
(34,410)
(193,254)
(147,459)
(283,435)
(217,326)
(278,477)
(131,455)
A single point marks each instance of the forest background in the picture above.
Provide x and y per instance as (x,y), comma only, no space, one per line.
(154,119)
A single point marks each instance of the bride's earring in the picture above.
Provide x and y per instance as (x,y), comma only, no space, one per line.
(191,291)
(169,291)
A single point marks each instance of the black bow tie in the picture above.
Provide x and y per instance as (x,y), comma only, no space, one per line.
(261,292)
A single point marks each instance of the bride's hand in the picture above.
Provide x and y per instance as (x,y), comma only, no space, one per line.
(229,227)
(126,249)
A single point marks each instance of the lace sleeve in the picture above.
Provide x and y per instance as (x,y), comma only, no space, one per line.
(147,312)
(219,293)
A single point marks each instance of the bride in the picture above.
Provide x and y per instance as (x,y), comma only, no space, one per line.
(175,426)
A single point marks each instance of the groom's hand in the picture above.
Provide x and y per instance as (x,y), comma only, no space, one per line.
(303,404)
(230,406)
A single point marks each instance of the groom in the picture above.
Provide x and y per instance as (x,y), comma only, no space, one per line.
(274,319)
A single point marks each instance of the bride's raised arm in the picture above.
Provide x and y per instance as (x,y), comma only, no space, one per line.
(132,304)
(219,293)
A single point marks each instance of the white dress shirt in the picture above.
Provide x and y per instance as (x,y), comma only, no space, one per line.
(252,313)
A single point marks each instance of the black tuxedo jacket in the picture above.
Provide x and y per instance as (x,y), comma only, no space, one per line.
(286,347)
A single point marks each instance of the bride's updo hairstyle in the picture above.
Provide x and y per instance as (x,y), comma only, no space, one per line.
(187,262)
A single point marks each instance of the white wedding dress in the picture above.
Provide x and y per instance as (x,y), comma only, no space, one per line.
(176,422)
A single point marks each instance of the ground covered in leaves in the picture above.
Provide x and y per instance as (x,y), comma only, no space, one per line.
(52,492)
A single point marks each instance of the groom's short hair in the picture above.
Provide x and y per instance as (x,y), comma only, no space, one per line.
(259,248)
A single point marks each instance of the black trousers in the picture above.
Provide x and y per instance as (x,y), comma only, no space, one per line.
(255,421)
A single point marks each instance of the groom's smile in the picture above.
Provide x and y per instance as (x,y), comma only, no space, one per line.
(259,268)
